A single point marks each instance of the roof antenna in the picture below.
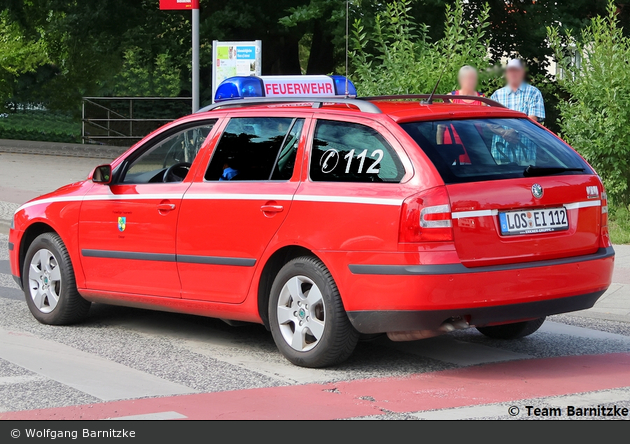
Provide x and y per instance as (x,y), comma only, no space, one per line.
(347,34)
(429,101)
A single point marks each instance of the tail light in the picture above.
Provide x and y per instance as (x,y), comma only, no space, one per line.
(426,217)
(605,235)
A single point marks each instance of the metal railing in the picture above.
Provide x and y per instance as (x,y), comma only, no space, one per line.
(122,121)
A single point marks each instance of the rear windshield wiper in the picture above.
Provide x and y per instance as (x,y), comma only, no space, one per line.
(534,171)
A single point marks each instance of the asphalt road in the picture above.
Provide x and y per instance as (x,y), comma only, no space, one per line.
(138,364)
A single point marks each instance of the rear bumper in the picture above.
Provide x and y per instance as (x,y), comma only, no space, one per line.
(403,320)
(401,292)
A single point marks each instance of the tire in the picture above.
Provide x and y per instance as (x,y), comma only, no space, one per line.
(304,299)
(49,285)
(512,331)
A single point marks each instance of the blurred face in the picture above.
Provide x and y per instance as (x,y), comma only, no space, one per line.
(514,77)
(468,81)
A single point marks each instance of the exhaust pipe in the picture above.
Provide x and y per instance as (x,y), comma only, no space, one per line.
(414,335)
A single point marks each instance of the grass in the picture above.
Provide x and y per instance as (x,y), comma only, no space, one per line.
(619,225)
(40,125)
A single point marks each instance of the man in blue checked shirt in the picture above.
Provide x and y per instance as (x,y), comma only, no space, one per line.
(508,146)
(519,95)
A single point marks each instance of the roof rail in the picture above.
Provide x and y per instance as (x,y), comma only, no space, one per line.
(362,105)
(443,97)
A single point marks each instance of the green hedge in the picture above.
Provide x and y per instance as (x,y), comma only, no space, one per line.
(41,126)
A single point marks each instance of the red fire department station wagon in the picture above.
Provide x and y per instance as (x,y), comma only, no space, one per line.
(326,218)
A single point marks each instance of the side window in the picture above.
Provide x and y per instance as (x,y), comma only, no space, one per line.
(178,150)
(350,152)
(256,148)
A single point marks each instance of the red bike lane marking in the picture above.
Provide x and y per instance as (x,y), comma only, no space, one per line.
(493,383)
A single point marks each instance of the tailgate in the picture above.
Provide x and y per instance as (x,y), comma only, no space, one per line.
(499,222)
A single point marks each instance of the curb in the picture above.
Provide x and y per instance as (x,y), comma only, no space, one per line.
(61,149)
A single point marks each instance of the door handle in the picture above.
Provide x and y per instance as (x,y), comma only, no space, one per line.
(166,207)
(272,208)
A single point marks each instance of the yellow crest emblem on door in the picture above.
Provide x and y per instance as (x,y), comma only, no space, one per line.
(122,224)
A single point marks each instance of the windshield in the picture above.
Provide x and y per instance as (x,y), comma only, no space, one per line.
(476,150)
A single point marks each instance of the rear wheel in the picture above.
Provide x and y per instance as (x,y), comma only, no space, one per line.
(306,315)
(49,285)
(512,331)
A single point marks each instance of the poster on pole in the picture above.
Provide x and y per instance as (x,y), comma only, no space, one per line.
(235,59)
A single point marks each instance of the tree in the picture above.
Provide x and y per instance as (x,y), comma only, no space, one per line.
(396,56)
(595,118)
(87,42)
(19,55)
(519,28)
(141,78)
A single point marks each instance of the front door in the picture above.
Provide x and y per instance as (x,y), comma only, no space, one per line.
(228,218)
(127,229)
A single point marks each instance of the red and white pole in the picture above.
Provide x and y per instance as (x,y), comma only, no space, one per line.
(195,57)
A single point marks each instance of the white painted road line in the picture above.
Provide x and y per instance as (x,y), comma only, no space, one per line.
(580,332)
(6,280)
(475,411)
(500,411)
(22,379)
(591,399)
(447,349)
(225,346)
(99,377)
(224,349)
(161,416)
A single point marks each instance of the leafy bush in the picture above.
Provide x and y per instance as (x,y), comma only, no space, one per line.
(41,126)
(394,54)
(595,118)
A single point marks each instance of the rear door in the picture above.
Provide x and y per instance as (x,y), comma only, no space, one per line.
(351,198)
(522,195)
(229,216)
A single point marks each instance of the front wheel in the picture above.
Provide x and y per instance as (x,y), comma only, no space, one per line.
(512,331)
(306,315)
(49,285)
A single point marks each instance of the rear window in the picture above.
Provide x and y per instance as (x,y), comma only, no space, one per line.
(476,150)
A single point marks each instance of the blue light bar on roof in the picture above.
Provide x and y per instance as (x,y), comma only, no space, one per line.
(285,86)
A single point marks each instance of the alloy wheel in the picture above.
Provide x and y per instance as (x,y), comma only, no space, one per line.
(301,313)
(44,277)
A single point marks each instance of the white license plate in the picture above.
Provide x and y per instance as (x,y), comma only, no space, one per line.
(534,221)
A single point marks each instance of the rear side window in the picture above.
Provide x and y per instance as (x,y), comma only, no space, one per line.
(256,148)
(351,152)
(476,150)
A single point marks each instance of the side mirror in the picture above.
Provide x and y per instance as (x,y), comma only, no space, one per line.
(102,174)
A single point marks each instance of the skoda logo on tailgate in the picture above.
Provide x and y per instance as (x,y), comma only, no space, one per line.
(537,191)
